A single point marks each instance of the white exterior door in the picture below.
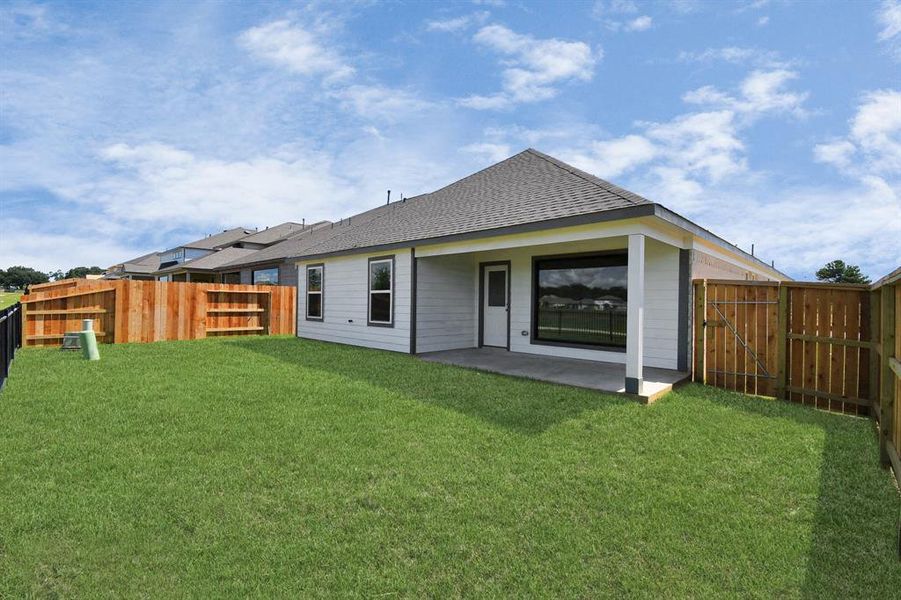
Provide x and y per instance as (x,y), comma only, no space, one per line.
(495,305)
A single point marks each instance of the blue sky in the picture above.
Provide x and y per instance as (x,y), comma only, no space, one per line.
(128,127)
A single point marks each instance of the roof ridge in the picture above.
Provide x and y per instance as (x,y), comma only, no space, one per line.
(491,166)
(585,176)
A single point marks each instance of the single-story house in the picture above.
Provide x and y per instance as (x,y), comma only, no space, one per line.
(466,266)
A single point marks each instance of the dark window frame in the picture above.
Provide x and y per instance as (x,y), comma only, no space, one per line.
(321,292)
(369,291)
(533,319)
(226,274)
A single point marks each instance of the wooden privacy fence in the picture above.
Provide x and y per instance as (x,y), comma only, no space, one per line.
(833,346)
(150,311)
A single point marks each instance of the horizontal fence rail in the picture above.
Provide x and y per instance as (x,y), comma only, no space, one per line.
(832,346)
(10,338)
(148,311)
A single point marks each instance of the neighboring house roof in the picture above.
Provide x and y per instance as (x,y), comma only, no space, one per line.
(226,238)
(274,234)
(210,262)
(147,263)
(296,244)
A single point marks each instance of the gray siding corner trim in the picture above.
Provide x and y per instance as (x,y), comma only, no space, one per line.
(682,343)
(413,266)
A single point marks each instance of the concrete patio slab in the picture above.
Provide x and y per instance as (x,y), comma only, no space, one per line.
(602,376)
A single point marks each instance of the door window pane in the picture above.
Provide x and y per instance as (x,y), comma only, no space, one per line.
(497,288)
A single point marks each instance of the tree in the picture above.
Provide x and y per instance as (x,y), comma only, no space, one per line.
(20,277)
(838,272)
(56,275)
(81,272)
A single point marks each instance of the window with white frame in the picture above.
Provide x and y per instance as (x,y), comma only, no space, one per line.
(314,292)
(381,291)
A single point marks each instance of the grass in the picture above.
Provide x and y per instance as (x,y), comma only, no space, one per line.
(9,298)
(283,467)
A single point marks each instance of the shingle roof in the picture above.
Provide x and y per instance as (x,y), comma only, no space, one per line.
(300,242)
(274,234)
(529,187)
(227,237)
(212,261)
(147,263)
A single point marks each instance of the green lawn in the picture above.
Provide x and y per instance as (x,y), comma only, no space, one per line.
(8,299)
(282,467)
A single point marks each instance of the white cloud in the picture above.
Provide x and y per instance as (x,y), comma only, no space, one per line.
(694,148)
(616,15)
(639,24)
(457,23)
(533,67)
(889,18)
(298,49)
(24,244)
(760,92)
(872,148)
(702,144)
(612,158)
(838,153)
(605,8)
(156,182)
(736,55)
(763,21)
(379,102)
(491,152)
(805,227)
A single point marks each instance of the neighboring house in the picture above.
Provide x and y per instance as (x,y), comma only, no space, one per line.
(467,266)
(269,265)
(142,267)
(218,258)
(204,269)
(148,265)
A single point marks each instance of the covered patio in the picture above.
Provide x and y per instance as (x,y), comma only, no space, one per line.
(602,376)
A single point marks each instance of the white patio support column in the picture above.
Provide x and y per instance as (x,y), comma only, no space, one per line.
(635,315)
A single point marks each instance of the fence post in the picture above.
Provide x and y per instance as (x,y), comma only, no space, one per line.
(700,370)
(782,342)
(887,381)
(875,356)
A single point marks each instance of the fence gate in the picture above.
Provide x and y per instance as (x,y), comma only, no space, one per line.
(805,342)
(738,335)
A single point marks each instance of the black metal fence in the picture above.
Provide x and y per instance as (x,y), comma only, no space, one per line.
(10,338)
(606,327)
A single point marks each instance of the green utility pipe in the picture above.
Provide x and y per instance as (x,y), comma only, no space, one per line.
(88,340)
